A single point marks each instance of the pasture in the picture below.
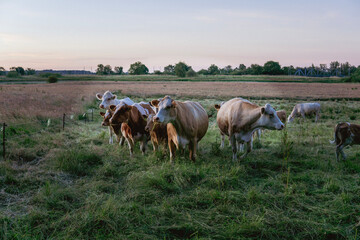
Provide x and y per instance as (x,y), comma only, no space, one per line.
(73,184)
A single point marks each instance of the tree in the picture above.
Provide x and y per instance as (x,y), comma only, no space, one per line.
(213,70)
(272,68)
(108,70)
(256,69)
(19,70)
(203,72)
(345,68)
(226,70)
(118,70)
(334,67)
(157,72)
(289,70)
(355,77)
(169,70)
(30,71)
(2,71)
(138,68)
(181,68)
(191,73)
(100,69)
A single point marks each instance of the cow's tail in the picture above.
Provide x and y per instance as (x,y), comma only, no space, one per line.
(336,130)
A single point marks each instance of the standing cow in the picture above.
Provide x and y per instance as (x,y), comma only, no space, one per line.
(187,122)
(346,134)
(158,132)
(239,118)
(107,99)
(114,128)
(305,109)
(133,121)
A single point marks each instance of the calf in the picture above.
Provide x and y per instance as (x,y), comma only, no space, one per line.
(346,134)
(132,120)
(305,109)
(239,118)
(187,122)
(107,99)
(158,132)
(116,129)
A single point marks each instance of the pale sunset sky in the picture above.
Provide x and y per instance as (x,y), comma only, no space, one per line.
(62,34)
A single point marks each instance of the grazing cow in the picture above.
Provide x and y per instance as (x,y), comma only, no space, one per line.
(107,99)
(239,118)
(113,128)
(346,134)
(305,109)
(187,123)
(132,121)
(158,132)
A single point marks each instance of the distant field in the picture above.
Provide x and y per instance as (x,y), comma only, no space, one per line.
(200,78)
(52,100)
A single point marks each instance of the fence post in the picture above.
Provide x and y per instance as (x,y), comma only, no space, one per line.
(3,142)
(63,121)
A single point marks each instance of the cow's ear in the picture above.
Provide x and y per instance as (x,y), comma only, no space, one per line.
(262,110)
(217,106)
(173,103)
(154,103)
(102,113)
(99,96)
(113,97)
(112,107)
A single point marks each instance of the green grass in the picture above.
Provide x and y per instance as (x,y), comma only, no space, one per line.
(199,78)
(73,185)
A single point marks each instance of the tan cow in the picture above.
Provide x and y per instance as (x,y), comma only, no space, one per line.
(116,129)
(187,122)
(305,109)
(346,134)
(132,120)
(239,118)
(158,132)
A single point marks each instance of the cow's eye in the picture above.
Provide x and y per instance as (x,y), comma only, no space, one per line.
(109,99)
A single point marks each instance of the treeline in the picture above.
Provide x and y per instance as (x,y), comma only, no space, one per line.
(181,69)
(17,71)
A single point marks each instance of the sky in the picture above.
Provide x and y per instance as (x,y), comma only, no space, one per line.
(62,34)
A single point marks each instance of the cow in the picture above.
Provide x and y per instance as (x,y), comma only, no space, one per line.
(107,99)
(239,118)
(158,132)
(132,119)
(187,123)
(281,115)
(305,109)
(345,134)
(113,128)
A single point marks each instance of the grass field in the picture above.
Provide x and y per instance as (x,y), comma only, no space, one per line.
(73,185)
(199,78)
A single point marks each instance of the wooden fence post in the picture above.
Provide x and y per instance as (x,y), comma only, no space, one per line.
(3,142)
(63,121)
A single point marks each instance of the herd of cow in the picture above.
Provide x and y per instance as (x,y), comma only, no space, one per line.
(177,124)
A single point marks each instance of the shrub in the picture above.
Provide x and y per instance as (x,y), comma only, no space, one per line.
(13,74)
(355,77)
(191,73)
(52,79)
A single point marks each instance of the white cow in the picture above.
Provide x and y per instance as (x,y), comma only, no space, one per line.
(107,99)
(305,109)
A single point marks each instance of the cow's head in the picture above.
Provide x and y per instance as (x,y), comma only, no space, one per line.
(121,113)
(166,110)
(106,115)
(290,118)
(154,104)
(107,99)
(269,118)
(150,123)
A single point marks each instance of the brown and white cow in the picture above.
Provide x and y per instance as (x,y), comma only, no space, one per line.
(158,132)
(116,129)
(132,121)
(239,118)
(107,99)
(187,122)
(346,134)
(305,109)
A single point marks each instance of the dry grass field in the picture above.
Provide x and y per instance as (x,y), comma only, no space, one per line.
(52,100)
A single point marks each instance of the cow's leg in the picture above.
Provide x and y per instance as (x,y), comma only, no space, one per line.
(302,114)
(234,147)
(111,135)
(317,116)
(122,141)
(143,144)
(131,146)
(172,150)
(192,149)
(155,144)
(258,134)
(339,149)
(248,149)
(222,140)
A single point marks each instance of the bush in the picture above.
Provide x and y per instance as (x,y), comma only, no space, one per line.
(52,79)
(355,77)
(191,73)
(13,74)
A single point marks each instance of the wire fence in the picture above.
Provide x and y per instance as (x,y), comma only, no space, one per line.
(18,130)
